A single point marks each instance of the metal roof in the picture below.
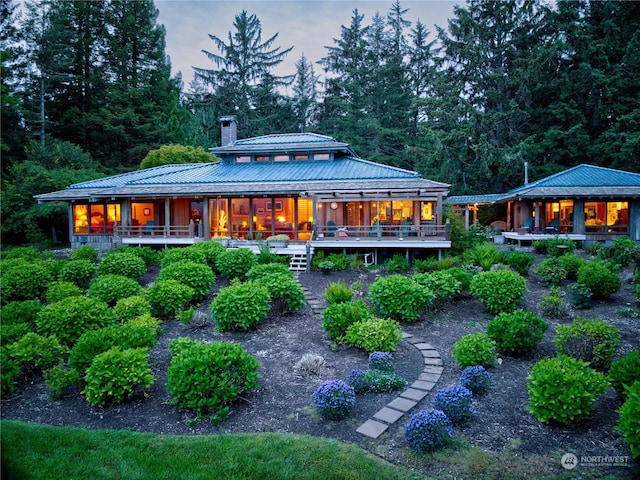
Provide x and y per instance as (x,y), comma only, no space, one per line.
(472,199)
(284,142)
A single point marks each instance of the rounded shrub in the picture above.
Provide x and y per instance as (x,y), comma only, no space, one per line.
(116,375)
(207,378)
(378,381)
(126,264)
(94,342)
(78,272)
(520,262)
(356,380)
(554,304)
(13,332)
(594,341)
(456,402)
(484,255)
(146,321)
(476,379)
(25,311)
(240,306)
(110,288)
(24,281)
(23,253)
(337,318)
(475,349)
(147,254)
(131,307)
(70,318)
(397,264)
(37,353)
(198,276)
(382,361)
(551,271)
(571,262)
(599,279)
(629,421)
(463,275)
(499,290)
(236,263)
(285,292)
(442,283)
(516,333)
(334,399)
(553,243)
(169,298)
(429,430)
(374,334)
(211,250)
(265,269)
(623,251)
(60,290)
(85,252)
(400,297)
(337,292)
(60,380)
(179,254)
(579,295)
(9,374)
(563,389)
(625,371)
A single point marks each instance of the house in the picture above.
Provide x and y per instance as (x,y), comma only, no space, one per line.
(307,187)
(584,203)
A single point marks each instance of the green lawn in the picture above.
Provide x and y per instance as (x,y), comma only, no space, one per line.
(32,451)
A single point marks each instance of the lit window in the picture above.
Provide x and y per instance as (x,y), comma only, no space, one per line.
(262,158)
(281,158)
(243,159)
(301,157)
(321,156)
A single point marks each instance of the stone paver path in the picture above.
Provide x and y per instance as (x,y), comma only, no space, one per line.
(420,388)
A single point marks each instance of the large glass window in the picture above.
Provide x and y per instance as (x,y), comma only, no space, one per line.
(606,216)
(218,218)
(305,218)
(559,216)
(143,215)
(239,217)
(97,219)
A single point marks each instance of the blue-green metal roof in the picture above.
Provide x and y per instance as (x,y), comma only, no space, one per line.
(585,176)
(473,199)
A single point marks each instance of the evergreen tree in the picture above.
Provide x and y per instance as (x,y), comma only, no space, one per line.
(305,94)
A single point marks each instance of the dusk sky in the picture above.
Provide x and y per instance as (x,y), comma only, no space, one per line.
(307,25)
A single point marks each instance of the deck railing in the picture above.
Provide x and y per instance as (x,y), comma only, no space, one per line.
(383,231)
(192,231)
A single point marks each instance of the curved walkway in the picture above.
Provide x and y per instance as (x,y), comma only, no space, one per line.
(395,410)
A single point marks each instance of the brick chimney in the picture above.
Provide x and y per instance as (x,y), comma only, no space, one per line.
(229,128)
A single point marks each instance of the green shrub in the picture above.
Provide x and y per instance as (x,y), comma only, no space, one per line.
(127,264)
(110,288)
(207,378)
(571,262)
(236,263)
(599,279)
(54,267)
(400,297)
(9,373)
(147,254)
(475,349)
(25,311)
(623,251)
(29,254)
(516,333)
(146,321)
(78,272)
(24,281)
(198,276)
(463,275)
(168,298)
(485,256)
(374,334)
(593,341)
(442,283)
(131,307)
(629,421)
(179,254)
(70,318)
(85,252)
(397,264)
(554,251)
(563,389)
(285,292)
(337,292)
(340,261)
(338,317)
(211,250)
(554,305)
(435,264)
(94,342)
(263,269)
(520,262)
(595,249)
(116,375)
(60,290)
(551,272)
(625,371)
(379,381)
(37,353)
(540,246)
(13,332)
(60,380)
(240,306)
(579,295)
(500,290)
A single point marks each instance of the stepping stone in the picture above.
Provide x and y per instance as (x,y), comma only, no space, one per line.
(388,415)
(414,340)
(430,354)
(372,429)
(414,394)
(402,404)
(433,369)
(433,361)
(429,377)
(423,346)
(406,335)
(420,385)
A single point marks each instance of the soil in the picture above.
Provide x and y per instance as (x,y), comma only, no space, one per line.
(283,401)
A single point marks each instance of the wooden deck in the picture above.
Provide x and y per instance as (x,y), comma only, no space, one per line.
(531,237)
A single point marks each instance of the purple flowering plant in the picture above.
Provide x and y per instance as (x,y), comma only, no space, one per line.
(381,361)
(476,379)
(334,399)
(428,430)
(455,402)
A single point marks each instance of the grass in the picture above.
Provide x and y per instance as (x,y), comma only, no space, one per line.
(32,451)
